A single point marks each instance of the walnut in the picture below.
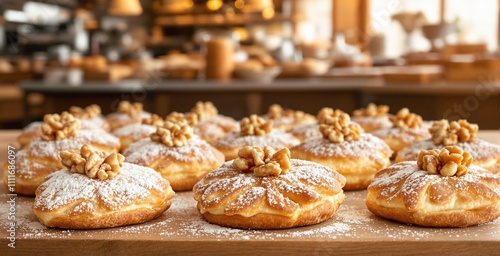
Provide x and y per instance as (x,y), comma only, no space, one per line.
(94,164)
(172,134)
(263,162)
(132,109)
(204,110)
(450,133)
(372,110)
(275,111)
(339,129)
(58,127)
(255,125)
(176,117)
(87,112)
(328,112)
(154,120)
(404,119)
(449,161)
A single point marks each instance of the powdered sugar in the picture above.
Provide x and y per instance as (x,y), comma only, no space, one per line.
(135,131)
(406,135)
(276,139)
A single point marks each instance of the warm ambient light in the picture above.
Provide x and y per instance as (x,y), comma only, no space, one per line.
(214,5)
(239,4)
(125,7)
(268,13)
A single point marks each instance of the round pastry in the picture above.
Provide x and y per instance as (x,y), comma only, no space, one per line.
(127,113)
(97,190)
(287,119)
(41,156)
(265,189)
(254,131)
(347,150)
(90,118)
(407,128)
(131,133)
(440,189)
(459,133)
(179,156)
(372,117)
(206,121)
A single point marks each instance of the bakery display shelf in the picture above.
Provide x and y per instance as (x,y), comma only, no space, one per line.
(353,230)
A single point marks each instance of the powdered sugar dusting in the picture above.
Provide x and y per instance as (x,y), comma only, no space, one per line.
(406,135)
(276,139)
(135,131)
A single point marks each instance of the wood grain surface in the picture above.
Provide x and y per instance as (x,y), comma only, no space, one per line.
(181,231)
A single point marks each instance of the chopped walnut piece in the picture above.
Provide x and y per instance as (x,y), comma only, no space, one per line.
(154,120)
(450,133)
(58,127)
(94,164)
(176,117)
(275,111)
(172,134)
(372,110)
(132,109)
(405,119)
(255,125)
(328,112)
(263,162)
(339,129)
(449,161)
(204,110)
(85,113)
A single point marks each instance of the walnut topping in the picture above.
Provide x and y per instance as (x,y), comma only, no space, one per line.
(154,120)
(372,110)
(263,162)
(405,119)
(176,117)
(172,134)
(328,112)
(94,164)
(339,129)
(275,111)
(449,161)
(87,112)
(132,109)
(204,110)
(450,133)
(255,125)
(58,127)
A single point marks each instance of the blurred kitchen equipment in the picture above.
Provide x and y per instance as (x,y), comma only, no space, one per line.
(410,22)
(436,34)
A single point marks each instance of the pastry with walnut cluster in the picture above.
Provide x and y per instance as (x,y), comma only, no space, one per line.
(456,133)
(441,189)
(346,149)
(127,113)
(266,189)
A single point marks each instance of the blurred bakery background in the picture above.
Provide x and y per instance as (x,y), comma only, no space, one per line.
(439,58)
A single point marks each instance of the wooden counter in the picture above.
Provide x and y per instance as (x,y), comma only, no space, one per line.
(181,231)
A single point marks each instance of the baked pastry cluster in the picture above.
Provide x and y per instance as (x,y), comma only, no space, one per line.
(286,119)
(311,130)
(254,131)
(441,189)
(407,128)
(372,117)
(40,157)
(266,189)
(131,133)
(98,190)
(346,149)
(176,153)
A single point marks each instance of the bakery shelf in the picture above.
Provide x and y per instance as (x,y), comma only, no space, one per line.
(181,231)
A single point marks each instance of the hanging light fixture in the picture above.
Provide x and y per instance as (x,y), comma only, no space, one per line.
(125,7)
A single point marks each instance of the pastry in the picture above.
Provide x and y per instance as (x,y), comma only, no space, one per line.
(41,156)
(407,129)
(346,149)
(440,189)
(459,133)
(372,117)
(265,189)
(127,113)
(89,117)
(179,156)
(99,190)
(254,131)
(131,133)
(206,121)
(287,119)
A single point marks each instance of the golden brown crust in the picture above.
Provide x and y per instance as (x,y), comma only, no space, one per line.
(406,194)
(398,138)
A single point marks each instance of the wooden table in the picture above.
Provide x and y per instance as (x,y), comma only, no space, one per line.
(181,231)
